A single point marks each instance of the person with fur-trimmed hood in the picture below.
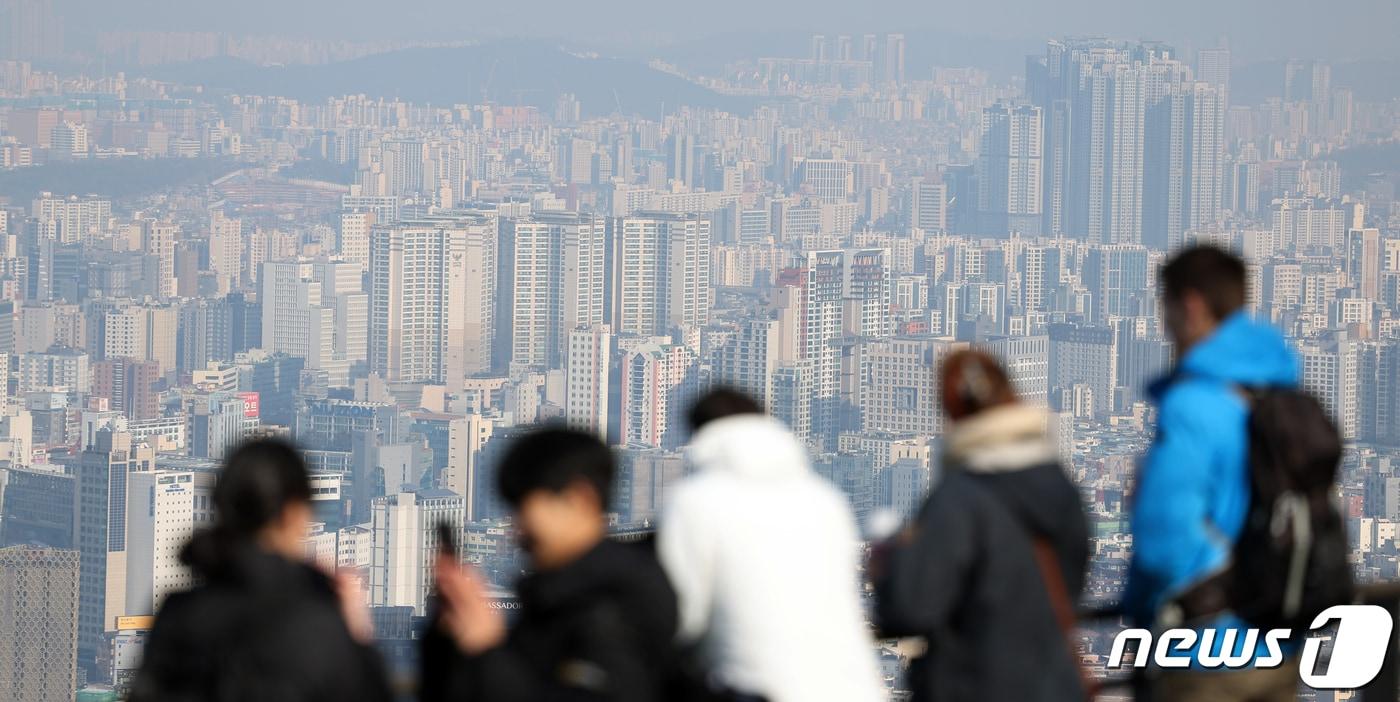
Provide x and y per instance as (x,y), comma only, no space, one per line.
(989,571)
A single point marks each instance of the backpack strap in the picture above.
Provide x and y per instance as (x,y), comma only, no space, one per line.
(1293,507)
(1049,566)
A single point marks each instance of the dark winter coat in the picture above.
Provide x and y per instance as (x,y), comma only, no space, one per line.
(1007,449)
(963,576)
(600,628)
(260,629)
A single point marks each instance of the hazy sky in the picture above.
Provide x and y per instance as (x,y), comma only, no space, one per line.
(1257,29)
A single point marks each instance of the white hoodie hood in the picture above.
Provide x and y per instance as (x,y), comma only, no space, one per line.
(763,555)
(748,446)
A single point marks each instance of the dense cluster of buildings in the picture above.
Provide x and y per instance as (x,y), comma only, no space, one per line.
(486,267)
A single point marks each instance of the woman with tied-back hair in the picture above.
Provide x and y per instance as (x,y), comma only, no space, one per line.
(263,625)
(989,570)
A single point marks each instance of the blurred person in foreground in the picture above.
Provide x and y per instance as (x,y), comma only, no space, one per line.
(990,570)
(596,618)
(1193,489)
(764,556)
(1005,445)
(264,625)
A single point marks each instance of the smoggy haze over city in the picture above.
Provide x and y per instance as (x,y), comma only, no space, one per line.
(1257,29)
(401,235)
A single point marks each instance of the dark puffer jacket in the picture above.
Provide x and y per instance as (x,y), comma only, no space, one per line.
(600,628)
(261,629)
(963,575)
(1007,450)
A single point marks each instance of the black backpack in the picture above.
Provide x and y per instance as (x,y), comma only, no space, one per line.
(1290,561)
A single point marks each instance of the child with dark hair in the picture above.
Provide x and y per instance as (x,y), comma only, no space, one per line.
(596,617)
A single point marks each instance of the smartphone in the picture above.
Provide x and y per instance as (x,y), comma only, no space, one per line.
(447,539)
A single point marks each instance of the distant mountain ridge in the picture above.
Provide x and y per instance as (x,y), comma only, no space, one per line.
(510,72)
(535,72)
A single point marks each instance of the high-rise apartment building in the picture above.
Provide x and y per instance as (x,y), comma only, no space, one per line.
(1331,372)
(1083,368)
(431,298)
(587,379)
(30,30)
(1306,81)
(829,179)
(927,205)
(1213,67)
(352,242)
(1363,261)
(158,242)
(1106,169)
(1117,276)
(38,623)
(1009,170)
(658,384)
(296,319)
(1243,186)
(838,293)
(1303,224)
(405,545)
(163,509)
(1379,392)
(102,468)
(1204,168)
(385,208)
(893,58)
(660,273)
(405,163)
(681,165)
(749,361)
(551,280)
(1183,152)
(1042,268)
(226,251)
(1133,145)
(901,390)
(74,219)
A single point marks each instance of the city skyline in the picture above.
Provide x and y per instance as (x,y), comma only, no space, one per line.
(403,284)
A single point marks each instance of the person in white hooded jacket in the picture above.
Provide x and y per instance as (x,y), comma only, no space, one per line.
(763,555)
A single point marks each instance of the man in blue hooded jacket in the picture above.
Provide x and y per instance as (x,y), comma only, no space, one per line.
(1193,490)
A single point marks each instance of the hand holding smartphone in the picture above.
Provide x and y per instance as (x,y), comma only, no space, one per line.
(447,540)
(466,614)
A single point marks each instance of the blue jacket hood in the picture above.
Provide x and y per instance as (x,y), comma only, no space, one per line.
(1240,351)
